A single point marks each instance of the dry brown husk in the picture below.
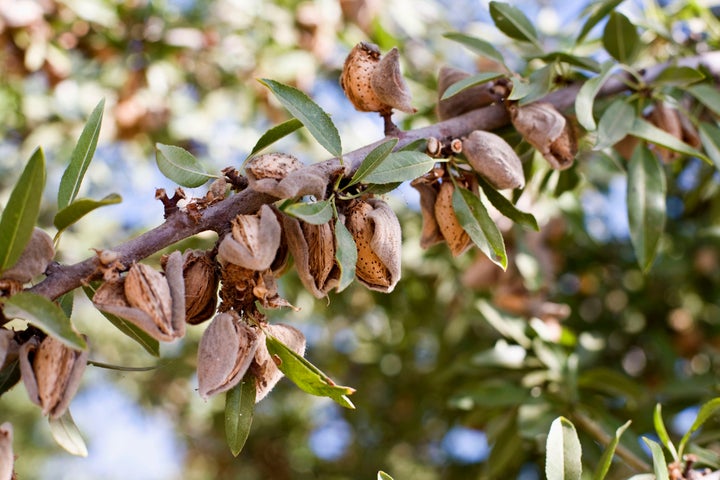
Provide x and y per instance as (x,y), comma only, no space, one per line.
(282,176)
(454,234)
(33,260)
(494,159)
(469,99)
(7,459)
(389,84)
(548,131)
(201,285)
(428,187)
(253,242)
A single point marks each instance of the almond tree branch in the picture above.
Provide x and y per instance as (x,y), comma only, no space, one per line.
(64,278)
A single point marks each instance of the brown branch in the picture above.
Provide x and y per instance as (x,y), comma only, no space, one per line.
(178,226)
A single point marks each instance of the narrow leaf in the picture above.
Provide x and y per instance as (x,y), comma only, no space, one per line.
(563,452)
(383,476)
(21,211)
(239,409)
(67,435)
(621,39)
(706,411)
(477,45)
(373,159)
(662,432)
(677,76)
(81,207)
(607,456)
(513,22)
(659,463)
(471,81)
(418,145)
(710,138)
(180,166)
(507,208)
(9,376)
(600,10)
(647,131)
(400,167)
(646,190)
(475,220)
(45,315)
(316,213)
(708,95)
(307,376)
(150,345)
(586,96)
(616,122)
(309,113)
(81,157)
(586,63)
(345,255)
(276,133)
(537,86)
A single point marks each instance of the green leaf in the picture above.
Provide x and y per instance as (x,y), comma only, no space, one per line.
(477,45)
(81,157)
(507,208)
(563,451)
(646,191)
(471,81)
(305,375)
(607,456)
(45,315)
(150,345)
(9,376)
(381,188)
(383,476)
(662,432)
(599,11)
(659,463)
(706,411)
(372,160)
(276,133)
(647,131)
(67,435)
(586,96)
(621,39)
(418,145)
(345,255)
(309,113)
(180,166)
(537,86)
(66,302)
(21,211)
(710,138)
(708,95)
(513,22)
(511,328)
(401,166)
(475,220)
(317,213)
(81,207)
(676,76)
(616,122)
(586,63)
(239,409)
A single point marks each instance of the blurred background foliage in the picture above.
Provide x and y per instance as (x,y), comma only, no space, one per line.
(461,356)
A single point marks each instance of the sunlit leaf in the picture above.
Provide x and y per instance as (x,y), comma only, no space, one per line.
(305,375)
(513,22)
(475,220)
(659,463)
(45,315)
(81,207)
(646,190)
(21,211)
(180,166)
(710,138)
(621,39)
(586,96)
(708,95)
(607,457)
(511,328)
(641,128)
(678,76)
(616,122)
(309,113)
(400,167)
(345,255)
(477,45)
(276,133)
(67,435)
(383,476)
(239,409)
(706,411)
(662,433)
(537,86)
(586,63)
(471,81)
(372,160)
(81,157)
(563,455)
(317,213)
(599,11)
(507,208)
